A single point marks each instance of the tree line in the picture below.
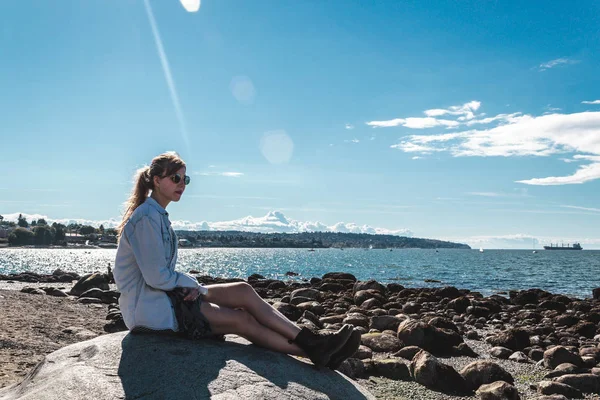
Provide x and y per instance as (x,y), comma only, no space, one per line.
(311,240)
(40,233)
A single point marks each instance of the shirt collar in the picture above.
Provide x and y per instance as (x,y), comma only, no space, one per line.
(155,204)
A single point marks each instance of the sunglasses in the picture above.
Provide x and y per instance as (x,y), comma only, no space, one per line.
(176,178)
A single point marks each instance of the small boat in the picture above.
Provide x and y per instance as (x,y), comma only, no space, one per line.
(481,249)
(311,249)
(535,251)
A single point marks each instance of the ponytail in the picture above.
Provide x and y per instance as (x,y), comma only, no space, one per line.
(141,189)
(164,164)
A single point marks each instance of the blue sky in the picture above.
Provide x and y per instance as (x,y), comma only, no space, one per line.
(473,122)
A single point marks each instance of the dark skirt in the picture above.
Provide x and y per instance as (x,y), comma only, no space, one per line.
(192,323)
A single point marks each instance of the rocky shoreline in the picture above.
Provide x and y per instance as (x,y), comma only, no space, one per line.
(417,343)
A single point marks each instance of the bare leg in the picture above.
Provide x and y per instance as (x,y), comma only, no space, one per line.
(225,320)
(241,295)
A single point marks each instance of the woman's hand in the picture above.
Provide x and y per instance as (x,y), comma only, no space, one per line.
(191,294)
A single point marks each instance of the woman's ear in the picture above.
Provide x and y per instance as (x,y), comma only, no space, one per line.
(155,180)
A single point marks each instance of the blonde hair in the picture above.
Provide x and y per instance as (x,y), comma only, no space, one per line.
(162,165)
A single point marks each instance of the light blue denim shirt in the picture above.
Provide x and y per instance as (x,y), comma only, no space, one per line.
(145,269)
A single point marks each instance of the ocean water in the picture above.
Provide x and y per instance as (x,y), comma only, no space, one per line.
(573,273)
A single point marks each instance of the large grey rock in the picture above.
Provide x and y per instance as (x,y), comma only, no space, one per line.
(122,365)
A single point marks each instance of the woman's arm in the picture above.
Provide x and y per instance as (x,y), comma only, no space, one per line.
(148,248)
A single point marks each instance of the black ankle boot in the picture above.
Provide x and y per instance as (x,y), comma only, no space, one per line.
(319,347)
(346,351)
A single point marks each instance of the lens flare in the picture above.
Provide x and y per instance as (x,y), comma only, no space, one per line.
(190,5)
(277,147)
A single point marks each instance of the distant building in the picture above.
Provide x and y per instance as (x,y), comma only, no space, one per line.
(185,243)
(76,238)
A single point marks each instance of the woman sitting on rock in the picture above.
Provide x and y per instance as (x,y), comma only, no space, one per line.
(155,297)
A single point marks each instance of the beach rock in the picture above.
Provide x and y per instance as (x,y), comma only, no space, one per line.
(519,356)
(368,285)
(31,290)
(587,383)
(290,311)
(106,296)
(381,342)
(583,328)
(407,352)
(353,368)
(357,319)
(309,293)
(563,369)
(339,275)
(549,387)
(363,295)
(56,292)
(370,304)
(383,322)
(596,293)
(389,368)
(429,372)
(459,304)
(363,353)
(483,372)
(515,339)
(90,281)
(501,352)
(313,306)
(109,367)
(418,333)
(498,391)
(332,287)
(558,355)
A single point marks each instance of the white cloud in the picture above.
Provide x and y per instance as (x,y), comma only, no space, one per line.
(227,174)
(465,112)
(352,141)
(591,102)
(272,222)
(349,126)
(557,62)
(583,208)
(522,241)
(524,135)
(414,123)
(485,194)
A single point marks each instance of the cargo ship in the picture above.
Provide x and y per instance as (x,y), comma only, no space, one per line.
(576,246)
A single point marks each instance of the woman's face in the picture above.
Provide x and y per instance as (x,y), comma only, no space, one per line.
(170,190)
